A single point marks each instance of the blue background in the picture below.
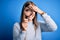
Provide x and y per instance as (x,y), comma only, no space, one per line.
(10,11)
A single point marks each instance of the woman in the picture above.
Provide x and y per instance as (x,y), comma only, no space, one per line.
(29,28)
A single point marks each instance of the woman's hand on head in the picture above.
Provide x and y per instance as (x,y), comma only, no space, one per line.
(36,9)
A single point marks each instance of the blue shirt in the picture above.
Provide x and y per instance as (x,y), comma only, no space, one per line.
(47,26)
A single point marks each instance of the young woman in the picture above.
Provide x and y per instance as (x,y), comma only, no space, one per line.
(29,28)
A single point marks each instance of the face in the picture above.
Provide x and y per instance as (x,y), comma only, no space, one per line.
(28,12)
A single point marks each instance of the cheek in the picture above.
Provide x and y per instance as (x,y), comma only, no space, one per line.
(27,13)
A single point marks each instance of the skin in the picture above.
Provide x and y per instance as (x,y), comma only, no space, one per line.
(30,13)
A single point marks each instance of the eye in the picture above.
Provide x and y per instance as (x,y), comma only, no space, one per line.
(27,10)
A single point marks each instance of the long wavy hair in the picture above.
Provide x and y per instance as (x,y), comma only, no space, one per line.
(22,15)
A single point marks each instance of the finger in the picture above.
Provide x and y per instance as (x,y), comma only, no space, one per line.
(25,19)
(33,14)
(32,7)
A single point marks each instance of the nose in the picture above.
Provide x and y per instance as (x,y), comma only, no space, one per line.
(31,13)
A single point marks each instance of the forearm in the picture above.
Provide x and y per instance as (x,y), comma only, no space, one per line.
(49,22)
(40,12)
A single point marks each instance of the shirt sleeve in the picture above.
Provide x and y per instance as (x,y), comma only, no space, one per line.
(48,25)
(17,33)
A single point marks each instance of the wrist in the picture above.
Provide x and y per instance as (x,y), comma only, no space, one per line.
(42,13)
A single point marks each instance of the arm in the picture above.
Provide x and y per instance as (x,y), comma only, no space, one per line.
(17,34)
(49,24)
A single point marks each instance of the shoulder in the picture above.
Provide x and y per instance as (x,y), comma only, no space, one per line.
(17,25)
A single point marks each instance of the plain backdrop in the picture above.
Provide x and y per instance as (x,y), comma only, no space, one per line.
(10,12)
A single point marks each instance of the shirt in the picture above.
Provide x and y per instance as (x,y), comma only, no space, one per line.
(47,26)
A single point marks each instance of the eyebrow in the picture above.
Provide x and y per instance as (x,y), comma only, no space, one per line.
(26,8)
(30,7)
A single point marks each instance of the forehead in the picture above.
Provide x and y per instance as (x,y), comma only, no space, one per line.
(28,8)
